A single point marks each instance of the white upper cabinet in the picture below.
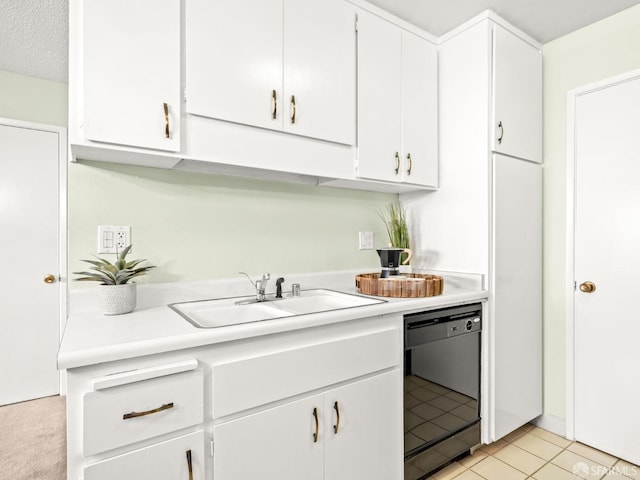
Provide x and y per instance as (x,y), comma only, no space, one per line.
(320,69)
(419,110)
(397,104)
(286,65)
(131,73)
(234,61)
(517,96)
(379,98)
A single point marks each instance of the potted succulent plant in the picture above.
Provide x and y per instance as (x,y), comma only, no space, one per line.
(115,294)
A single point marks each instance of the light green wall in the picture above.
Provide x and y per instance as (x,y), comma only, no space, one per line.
(32,99)
(197,226)
(180,220)
(601,50)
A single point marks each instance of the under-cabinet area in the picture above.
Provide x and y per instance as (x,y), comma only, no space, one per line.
(314,403)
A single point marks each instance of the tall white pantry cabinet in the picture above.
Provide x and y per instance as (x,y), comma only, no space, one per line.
(486,217)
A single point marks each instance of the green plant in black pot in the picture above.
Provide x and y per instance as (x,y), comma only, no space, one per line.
(395,220)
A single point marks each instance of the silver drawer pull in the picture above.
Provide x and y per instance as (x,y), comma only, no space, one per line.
(166,406)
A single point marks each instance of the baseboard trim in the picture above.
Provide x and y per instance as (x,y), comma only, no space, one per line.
(551,423)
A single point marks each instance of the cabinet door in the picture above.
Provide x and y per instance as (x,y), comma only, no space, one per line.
(163,461)
(273,444)
(366,441)
(517,96)
(419,111)
(131,69)
(379,99)
(320,69)
(517,285)
(234,61)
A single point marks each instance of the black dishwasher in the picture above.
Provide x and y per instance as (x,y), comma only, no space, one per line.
(441,387)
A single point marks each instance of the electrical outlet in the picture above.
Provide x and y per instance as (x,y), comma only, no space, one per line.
(113,239)
(365,240)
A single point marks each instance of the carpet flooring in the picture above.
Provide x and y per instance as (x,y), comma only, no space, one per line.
(33,441)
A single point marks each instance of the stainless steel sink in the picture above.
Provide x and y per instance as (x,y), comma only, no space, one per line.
(237,310)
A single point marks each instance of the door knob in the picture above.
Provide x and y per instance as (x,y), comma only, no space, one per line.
(587,287)
(49,279)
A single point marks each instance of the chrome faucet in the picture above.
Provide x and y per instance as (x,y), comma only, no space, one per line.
(261,286)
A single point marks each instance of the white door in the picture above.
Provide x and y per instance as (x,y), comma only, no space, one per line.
(362,444)
(131,70)
(283,443)
(29,221)
(320,69)
(379,99)
(517,96)
(419,111)
(516,311)
(234,61)
(607,254)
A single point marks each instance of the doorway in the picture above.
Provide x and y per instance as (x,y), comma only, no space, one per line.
(33,245)
(603,252)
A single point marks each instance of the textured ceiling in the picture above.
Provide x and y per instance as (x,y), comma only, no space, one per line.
(34,37)
(544,20)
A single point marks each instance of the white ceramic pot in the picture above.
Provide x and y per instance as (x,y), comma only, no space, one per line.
(117,299)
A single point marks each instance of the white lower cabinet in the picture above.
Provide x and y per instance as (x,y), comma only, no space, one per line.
(314,404)
(516,280)
(348,433)
(123,415)
(179,459)
(366,444)
(276,443)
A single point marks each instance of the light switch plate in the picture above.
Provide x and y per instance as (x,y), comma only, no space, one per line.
(365,240)
(113,239)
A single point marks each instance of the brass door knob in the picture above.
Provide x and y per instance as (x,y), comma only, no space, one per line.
(49,279)
(587,287)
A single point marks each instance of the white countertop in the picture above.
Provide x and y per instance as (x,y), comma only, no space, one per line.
(91,337)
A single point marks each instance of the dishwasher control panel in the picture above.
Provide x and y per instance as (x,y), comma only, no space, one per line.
(434,325)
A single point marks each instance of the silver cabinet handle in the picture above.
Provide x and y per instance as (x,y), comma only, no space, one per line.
(501,136)
(336,427)
(397,169)
(410,164)
(293,109)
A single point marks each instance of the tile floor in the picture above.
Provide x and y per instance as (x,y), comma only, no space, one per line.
(533,453)
(431,410)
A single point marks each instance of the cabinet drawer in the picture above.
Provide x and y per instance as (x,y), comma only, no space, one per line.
(122,415)
(251,382)
(166,460)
